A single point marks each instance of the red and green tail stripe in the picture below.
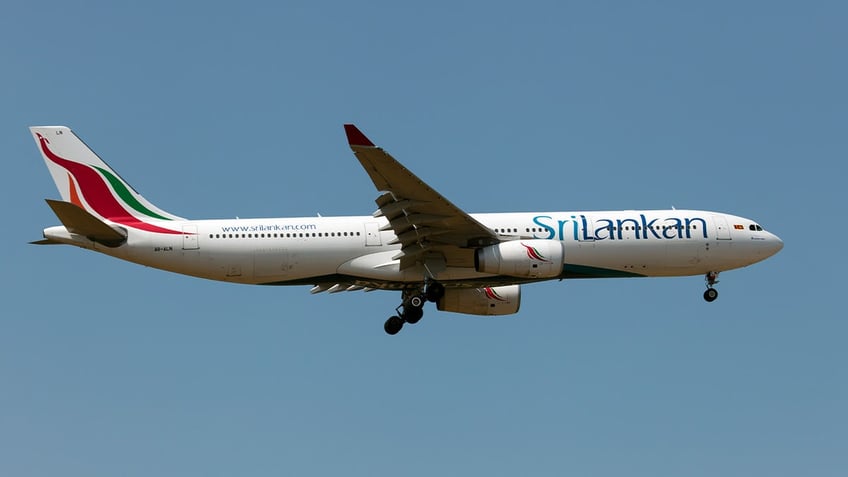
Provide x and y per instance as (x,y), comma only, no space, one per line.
(99,196)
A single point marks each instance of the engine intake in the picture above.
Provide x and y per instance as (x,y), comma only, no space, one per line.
(522,258)
(490,301)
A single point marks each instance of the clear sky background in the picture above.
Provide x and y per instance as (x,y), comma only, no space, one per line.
(216,110)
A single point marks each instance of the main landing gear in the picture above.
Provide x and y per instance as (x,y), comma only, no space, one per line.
(412,308)
(711,293)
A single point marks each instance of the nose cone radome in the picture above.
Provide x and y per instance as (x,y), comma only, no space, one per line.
(774,244)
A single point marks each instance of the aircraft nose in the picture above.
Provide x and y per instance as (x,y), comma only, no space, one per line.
(775,244)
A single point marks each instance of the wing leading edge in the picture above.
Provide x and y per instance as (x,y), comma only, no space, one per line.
(428,226)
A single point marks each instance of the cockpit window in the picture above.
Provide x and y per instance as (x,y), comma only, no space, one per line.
(755,227)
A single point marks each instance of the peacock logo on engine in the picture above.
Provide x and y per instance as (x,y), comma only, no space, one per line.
(493,295)
(534,253)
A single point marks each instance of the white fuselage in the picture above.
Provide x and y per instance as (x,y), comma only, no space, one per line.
(357,249)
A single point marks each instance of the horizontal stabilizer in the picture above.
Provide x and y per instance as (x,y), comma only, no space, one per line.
(45,242)
(78,221)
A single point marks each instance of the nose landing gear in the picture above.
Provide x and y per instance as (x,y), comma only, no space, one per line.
(711,293)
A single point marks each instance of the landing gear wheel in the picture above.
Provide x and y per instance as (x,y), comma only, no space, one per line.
(711,294)
(393,325)
(412,314)
(434,292)
(410,311)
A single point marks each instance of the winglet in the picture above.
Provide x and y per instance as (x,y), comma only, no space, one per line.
(355,136)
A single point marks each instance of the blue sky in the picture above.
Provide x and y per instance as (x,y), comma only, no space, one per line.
(219,110)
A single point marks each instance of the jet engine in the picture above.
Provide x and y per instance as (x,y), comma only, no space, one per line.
(522,258)
(503,300)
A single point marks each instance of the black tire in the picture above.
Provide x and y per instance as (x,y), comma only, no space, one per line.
(417,301)
(711,294)
(412,314)
(393,325)
(434,292)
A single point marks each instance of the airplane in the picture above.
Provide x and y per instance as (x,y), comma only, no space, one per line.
(417,242)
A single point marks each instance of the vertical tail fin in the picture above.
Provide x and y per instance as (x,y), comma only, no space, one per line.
(86,181)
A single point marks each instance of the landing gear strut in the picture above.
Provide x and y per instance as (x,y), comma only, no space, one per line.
(711,293)
(412,308)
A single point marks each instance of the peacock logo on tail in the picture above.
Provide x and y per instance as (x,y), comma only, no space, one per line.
(99,190)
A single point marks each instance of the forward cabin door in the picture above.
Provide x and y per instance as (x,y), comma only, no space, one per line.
(722,231)
(587,231)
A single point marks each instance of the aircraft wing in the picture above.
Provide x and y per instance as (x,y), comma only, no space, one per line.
(428,226)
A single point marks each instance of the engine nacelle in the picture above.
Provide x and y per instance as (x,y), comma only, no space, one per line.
(503,300)
(522,258)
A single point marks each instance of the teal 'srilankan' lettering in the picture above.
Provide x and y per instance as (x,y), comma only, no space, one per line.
(551,233)
(599,228)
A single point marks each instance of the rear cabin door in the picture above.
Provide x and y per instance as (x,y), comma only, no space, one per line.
(190,237)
